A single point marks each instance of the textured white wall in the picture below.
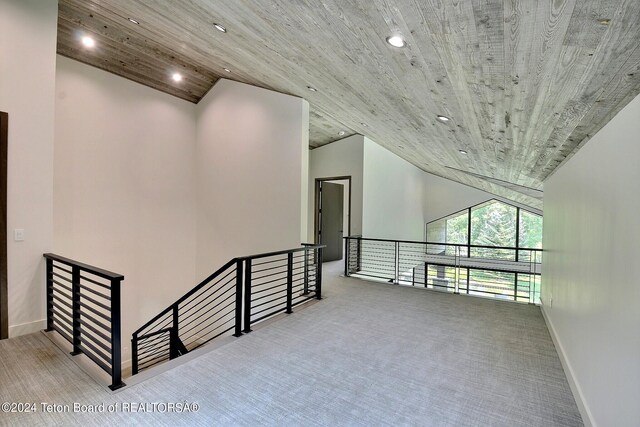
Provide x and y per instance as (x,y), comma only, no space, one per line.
(393,201)
(340,158)
(27,84)
(125,186)
(251,149)
(591,291)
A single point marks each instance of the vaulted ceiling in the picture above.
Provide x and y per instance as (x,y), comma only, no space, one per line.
(525,82)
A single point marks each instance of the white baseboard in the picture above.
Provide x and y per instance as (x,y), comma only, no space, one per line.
(27,328)
(587,418)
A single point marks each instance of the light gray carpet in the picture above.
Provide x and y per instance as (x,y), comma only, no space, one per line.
(369,354)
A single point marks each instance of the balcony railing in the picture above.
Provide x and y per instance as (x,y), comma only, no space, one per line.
(498,272)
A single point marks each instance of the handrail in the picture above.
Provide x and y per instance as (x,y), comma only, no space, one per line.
(452,267)
(68,307)
(226,301)
(512,248)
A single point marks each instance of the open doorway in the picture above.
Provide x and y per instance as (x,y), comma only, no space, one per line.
(332,215)
(4,316)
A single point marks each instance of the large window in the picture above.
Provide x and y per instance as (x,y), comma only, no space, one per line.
(492,224)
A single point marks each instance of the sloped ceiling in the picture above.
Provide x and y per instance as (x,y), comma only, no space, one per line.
(525,82)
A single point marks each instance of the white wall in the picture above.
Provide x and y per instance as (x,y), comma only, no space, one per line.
(591,290)
(393,196)
(252,146)
(27,84)
(340,158)
(125,186)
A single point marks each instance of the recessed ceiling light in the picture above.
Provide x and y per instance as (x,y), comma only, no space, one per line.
(227,70)
(604,21)
(312,89)
(176,77)
(442,118)
(462,151)
(365,125)
(341,133)
(88,41)
(133,21)
(220,27)
(396,41)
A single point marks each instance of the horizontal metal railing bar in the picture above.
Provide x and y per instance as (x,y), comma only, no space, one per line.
(63,286)
(210,324)
(95,282)
(66,327)
(200,299)
(283,252)
(89,326)
(213,338)
(165,323)
(256,278)
(205,282)
(213,287)
(95,321)
(96,352)
(184,330)
(62,268)
(93,291)
(280,285)
(281,291)
(270,301)
(152,334)
(86,267)
(268,282)
(150,355)
(269,268)
(302,301)
(156,344)
(105,367)
(57,295)
(64,303)
(203,306)
(66,336)
(94,311)
(365,239)
(61,318)
(280,310)
(84,335)
(93,301)
(65,278)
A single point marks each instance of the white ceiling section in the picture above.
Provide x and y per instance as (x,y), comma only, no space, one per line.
(525,82)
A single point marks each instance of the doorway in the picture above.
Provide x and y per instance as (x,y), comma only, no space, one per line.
(332,215)
(4,316)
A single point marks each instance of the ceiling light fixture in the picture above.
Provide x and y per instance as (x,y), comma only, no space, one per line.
(462,151)
(227,70)
(604,21)
(312,89)
(364,124)
(176,77)
(133,21)
(88,41)
(220,28)
(443,119)
(341,133)
(396,41)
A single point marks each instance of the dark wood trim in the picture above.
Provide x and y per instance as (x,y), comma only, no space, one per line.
(316,218)
(4,142)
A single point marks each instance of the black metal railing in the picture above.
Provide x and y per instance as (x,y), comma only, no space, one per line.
(83,306)
(500,272)
(244,291)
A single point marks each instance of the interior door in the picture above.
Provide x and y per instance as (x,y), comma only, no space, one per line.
(331,220)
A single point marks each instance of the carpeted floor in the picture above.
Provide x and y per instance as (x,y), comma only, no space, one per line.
(368,354)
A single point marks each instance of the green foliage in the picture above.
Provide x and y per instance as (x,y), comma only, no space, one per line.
(493,224)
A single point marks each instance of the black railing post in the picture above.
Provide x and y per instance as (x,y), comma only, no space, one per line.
(116,337)
(134,354)
(174,333)
(238,328)
(397,262)
(247,296)
(515,287)
(426,274)
(306,272)
(468,274)
(347,246)
(319,274)
(413,276)
(359,255)
(289,282)
(75,309)
(49,279)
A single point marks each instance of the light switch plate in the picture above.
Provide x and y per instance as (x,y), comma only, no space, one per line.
(18,235)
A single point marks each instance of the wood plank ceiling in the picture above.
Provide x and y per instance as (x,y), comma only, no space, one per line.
(525,82)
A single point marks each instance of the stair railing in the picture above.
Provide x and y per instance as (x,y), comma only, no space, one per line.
(244,291)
